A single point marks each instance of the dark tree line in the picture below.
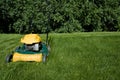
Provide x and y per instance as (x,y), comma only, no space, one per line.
(25,16)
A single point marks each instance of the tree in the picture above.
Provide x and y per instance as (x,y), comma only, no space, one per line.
(26,16)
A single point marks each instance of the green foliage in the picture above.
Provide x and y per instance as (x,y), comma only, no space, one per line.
(59,15)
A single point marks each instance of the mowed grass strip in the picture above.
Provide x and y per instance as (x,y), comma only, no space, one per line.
(76,56)
(8,42)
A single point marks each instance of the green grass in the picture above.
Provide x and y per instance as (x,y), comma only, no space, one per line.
(75,56)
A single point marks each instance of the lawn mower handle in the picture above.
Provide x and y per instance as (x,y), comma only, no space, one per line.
(47,29)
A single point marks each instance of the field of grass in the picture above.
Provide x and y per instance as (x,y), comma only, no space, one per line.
(75,56)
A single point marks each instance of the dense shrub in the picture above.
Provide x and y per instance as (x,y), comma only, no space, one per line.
(25,16)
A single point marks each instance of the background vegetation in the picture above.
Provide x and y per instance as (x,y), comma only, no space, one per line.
(25,16)
(75,56)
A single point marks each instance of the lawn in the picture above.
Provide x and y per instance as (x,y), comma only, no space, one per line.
(74,56)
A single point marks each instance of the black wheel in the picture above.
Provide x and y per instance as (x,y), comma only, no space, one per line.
(44,58)
(9,58)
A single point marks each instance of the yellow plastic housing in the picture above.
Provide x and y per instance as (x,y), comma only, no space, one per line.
(27,57)
(31,38)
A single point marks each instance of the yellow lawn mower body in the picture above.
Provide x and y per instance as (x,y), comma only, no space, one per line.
(32,50)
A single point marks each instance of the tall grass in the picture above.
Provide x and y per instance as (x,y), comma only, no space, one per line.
(76,56)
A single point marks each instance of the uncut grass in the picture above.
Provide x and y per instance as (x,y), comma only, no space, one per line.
(73,58)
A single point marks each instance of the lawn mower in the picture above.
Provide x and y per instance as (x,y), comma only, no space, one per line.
(33,49)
